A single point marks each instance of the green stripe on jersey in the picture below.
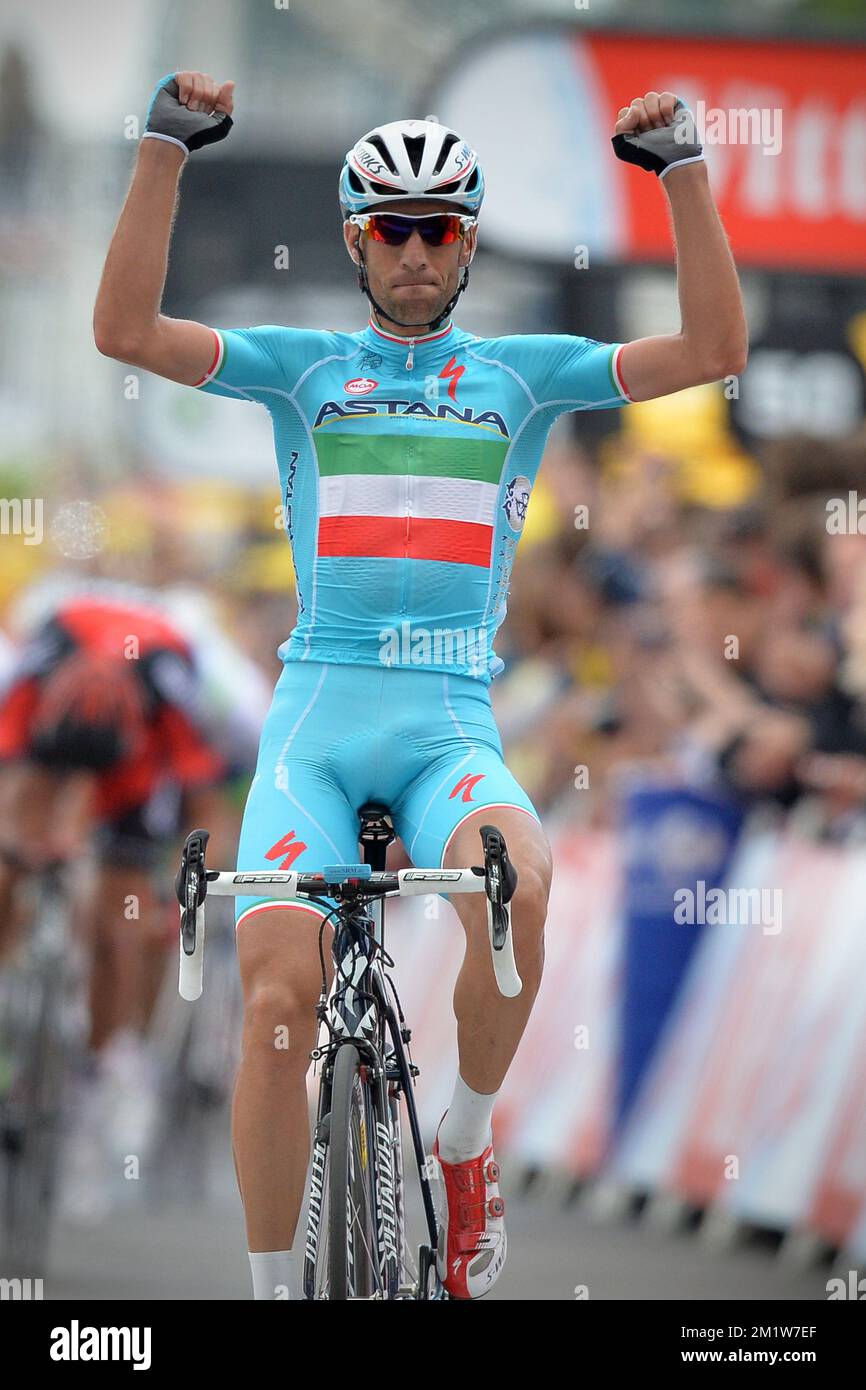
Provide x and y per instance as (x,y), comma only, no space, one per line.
(476,459)
(225,353)
(617,390)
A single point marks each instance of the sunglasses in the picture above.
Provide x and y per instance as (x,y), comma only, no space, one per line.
(395,228)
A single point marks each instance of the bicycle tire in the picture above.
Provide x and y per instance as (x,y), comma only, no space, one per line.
(353,1240)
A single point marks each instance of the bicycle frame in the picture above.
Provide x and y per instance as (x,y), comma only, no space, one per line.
(394,1069)
(358,1011)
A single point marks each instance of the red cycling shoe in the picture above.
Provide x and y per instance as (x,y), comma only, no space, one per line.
(472,1241)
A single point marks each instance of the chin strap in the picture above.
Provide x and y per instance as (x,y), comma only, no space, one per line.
(364,285)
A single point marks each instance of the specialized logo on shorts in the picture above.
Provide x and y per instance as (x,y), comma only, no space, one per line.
(289,846)
(516,502)
(466,785)
(360,386)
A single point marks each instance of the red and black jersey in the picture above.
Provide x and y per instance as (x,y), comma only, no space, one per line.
(143,642)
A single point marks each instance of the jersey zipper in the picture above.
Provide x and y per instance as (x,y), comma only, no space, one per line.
(410,358)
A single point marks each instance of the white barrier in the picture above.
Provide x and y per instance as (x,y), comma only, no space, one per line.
(754,1101)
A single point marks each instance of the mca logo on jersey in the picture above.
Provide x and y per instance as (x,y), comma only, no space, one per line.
(516,502)
(360,385)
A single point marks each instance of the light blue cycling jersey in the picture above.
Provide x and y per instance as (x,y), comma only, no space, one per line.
(406,467)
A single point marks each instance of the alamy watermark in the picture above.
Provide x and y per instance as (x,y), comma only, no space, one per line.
(729,907)
(408,645)
(846,516)
(77,1343)
(22,516)
(733,125)
(20,1290)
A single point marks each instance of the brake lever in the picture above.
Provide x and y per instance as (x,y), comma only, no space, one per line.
(500,882)
(191,889)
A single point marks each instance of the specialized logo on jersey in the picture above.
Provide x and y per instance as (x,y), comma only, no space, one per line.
(360,386)
(452,374)
(289,846)
(467,785)
(337,410)
(516,502)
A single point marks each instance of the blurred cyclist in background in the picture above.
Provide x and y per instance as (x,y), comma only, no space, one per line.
(113,734)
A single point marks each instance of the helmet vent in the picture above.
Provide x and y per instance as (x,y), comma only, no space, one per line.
(415,150)
(447,188)
(447,144)
(379,144)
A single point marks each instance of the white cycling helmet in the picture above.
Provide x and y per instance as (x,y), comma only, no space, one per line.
(411,159)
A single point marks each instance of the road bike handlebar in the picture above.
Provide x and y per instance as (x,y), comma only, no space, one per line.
(346,883)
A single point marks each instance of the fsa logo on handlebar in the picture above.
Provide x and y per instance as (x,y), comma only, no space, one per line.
(259,878)
(437,875)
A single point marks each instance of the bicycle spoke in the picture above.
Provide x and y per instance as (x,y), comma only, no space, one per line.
(361,1216)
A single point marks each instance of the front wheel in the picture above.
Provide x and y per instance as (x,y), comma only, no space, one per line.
(354,1265)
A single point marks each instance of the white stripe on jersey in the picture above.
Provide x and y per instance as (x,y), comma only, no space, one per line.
(387,494)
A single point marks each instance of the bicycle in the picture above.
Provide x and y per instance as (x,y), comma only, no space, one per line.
(42,1028)
(356,1242)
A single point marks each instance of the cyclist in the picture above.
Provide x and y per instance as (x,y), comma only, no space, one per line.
(406,452)
(102,732)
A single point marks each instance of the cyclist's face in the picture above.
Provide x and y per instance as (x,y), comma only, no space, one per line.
(412,282)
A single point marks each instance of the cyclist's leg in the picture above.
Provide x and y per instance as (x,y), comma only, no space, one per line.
(489,1026)
(127,918)
(11,778)
(297,816)
(124,925)
(45,814)
(467,786)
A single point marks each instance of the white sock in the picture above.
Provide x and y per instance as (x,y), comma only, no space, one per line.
(465,1131)
(273,1274)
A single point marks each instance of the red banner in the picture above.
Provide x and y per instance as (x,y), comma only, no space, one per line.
(783,127)
(784,135)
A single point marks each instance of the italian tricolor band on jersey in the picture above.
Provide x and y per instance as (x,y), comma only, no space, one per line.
(408,497)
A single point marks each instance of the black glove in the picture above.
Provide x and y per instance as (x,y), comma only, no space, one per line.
(663,147)
(168,120)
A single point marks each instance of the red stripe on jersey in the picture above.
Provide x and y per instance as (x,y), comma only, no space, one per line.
(617,367)
(216,357)
(406,538)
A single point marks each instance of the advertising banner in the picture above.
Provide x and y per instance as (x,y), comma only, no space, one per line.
(784,128)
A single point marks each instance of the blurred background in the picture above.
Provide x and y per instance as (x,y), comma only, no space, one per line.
(685,687)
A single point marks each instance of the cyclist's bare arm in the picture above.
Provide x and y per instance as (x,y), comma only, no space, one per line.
(713,339)
(127,323)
